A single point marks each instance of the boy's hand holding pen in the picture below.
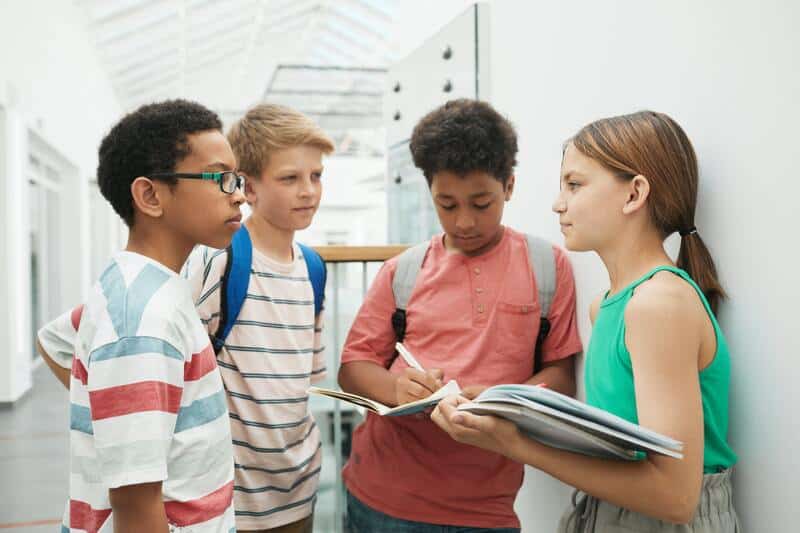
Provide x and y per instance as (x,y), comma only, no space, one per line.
(415,383)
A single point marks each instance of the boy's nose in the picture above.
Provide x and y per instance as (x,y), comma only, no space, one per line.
(306,187)
(238,196)
(559,206)
(465,223)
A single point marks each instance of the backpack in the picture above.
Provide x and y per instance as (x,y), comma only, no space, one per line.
(233,289)
(542,261)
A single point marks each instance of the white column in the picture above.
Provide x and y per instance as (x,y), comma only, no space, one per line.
(15,285)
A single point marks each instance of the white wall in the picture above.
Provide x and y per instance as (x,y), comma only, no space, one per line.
(727,71)
(351,204)
(51,83)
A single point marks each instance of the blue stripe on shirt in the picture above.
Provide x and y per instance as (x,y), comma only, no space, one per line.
(273,488)
(262,375)
(271,401)
(126,304)
(278,300)
(285,425)
(274,351)
(299,466)
(274,325)
(274,510)
(278,276)
(247,445)
(135,346)
(80,419)
(201,412)
(208,293)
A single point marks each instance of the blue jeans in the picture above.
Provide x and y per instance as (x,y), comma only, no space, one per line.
(364,519)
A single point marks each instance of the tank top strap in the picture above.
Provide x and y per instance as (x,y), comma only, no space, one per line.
(685,275)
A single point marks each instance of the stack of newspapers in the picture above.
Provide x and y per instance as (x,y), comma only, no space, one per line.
(563,422)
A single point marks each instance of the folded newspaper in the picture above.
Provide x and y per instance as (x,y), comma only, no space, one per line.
(563,422)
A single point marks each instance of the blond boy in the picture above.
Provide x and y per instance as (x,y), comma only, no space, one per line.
(274,350)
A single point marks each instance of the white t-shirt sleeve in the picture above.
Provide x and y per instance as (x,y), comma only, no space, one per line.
(58,336)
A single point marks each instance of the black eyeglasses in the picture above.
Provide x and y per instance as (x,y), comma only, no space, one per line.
(228,181)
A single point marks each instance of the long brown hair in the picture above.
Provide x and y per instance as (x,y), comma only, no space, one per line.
(653,145)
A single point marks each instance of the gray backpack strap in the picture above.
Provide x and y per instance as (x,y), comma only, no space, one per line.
(409,264)
(543,263)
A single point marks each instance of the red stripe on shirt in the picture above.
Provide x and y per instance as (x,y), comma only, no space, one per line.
(202,509)
(135,398)
(82,516)
(75,317)
(200,364)
(79,371)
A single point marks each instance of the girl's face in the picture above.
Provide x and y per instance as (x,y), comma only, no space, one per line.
(590,204)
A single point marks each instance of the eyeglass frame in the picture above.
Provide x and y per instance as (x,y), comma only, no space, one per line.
(208,176)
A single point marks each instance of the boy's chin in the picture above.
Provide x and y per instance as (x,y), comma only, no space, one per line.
(223,240)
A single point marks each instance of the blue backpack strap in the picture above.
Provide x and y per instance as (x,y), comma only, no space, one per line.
(317,273)
(233,289)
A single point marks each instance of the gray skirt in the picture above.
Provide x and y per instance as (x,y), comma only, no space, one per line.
(715,513)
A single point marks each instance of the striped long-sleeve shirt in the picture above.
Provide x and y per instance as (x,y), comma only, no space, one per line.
(146,401)
(271,356)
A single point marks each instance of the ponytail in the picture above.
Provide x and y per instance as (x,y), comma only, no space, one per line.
(696,260)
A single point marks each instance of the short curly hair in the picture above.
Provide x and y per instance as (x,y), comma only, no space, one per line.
(151,139)
(463,136)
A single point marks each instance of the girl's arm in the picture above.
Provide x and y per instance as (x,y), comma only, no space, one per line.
(663,336)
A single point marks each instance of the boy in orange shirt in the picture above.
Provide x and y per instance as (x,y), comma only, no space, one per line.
(473,316)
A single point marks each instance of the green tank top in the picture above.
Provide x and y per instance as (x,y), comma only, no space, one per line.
(609,375)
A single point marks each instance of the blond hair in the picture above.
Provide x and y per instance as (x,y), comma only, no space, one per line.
(269,127)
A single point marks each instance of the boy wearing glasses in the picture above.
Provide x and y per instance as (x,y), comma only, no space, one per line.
(273,351)
(150,440)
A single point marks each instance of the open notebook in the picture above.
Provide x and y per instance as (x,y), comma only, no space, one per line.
(406,409)
(563,422)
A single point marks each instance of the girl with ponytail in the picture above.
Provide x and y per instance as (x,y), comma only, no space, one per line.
(657,356)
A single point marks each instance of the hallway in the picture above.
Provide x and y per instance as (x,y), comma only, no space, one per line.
(34,457)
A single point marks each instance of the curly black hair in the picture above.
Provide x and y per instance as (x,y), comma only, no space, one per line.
(151,139)
(462,136)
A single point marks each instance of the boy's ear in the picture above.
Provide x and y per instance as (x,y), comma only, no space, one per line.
(249,192)
(509,188)
(146,197)
(638,192)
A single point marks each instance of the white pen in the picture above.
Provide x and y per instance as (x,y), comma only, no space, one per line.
(407,357)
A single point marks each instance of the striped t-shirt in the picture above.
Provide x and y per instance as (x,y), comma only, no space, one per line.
(146,400)
(270,357)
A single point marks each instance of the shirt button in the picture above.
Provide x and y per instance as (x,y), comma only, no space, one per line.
(480,308)
(479,290)
(477,271)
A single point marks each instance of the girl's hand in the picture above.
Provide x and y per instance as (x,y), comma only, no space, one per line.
(487,432)
(471,392)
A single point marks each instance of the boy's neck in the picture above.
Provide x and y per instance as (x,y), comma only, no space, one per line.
(275,243)
(160,246)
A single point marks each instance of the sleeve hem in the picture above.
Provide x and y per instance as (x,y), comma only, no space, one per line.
(562,353)
(137,477)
